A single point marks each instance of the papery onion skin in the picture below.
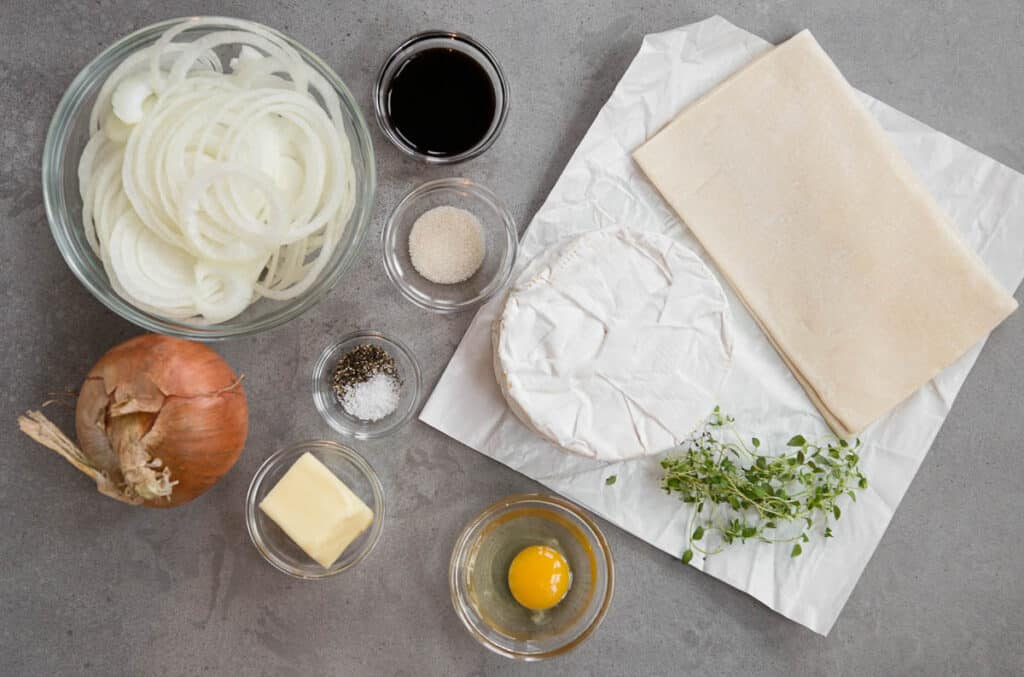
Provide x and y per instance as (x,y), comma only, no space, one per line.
(159,420)
(179,399)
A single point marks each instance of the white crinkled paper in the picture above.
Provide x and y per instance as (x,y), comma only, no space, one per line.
(601,187)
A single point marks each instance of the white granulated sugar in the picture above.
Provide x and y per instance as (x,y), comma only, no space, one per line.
(446,245)
(373,399)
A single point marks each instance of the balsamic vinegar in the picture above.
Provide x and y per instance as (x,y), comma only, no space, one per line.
(441,102)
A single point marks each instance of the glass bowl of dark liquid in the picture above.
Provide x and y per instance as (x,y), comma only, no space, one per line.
(441,97)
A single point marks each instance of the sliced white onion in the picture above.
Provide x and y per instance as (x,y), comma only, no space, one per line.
(224,291)
(115,129)
(130,99)
(204,190)
(149,269)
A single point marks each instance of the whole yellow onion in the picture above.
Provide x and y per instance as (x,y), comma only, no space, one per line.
(159,420)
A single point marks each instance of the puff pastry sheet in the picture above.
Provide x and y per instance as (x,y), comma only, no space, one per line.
(823,230)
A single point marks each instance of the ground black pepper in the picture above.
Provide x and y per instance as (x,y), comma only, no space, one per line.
(360,365)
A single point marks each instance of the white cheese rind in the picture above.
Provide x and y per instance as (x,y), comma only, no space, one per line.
(614,345)
(317,510)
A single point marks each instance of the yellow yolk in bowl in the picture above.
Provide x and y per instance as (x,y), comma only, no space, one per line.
(539,577)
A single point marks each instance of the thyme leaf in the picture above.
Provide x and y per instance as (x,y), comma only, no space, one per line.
(780,497)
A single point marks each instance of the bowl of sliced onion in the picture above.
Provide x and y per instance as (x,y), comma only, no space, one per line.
(208,178)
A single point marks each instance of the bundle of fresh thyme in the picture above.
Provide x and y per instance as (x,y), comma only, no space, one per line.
(742,494)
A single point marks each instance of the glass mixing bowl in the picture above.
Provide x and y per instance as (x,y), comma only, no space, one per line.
(478,577)
(66,139)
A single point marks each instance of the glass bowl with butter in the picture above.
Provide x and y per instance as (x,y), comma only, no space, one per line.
(531,577)
(315,509)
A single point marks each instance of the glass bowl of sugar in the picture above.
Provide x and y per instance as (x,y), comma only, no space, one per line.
(450,245)
(366,385)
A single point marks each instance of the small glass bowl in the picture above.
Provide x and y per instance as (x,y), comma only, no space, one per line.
(477,577)
(448,40)
(328,404)
(501,242)
(275,545)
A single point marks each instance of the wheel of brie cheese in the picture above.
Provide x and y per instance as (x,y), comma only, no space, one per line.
(614,345)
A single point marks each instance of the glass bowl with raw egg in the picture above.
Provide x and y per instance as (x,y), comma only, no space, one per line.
(449,245)
(531,577)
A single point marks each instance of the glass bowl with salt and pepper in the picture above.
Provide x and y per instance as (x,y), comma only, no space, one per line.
(366,385)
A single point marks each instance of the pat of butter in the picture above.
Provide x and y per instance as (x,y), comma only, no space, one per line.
(317,510)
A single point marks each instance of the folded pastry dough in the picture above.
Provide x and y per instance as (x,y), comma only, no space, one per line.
(822,229)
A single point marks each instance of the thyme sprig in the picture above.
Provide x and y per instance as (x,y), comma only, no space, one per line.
(743,494)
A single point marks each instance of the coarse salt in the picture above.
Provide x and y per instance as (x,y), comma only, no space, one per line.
(446,245)
(373,399)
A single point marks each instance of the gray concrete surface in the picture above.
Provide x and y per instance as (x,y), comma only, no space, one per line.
(88,586)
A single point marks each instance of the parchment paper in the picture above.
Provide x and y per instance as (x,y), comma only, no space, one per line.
(601,187)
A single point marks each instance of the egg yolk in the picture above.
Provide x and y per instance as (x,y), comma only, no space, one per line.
(538,577)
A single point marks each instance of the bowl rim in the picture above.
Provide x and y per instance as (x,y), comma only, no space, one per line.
(55,205)
(383,118)
(508,260)
(350,455)
(320,366)
(462,542)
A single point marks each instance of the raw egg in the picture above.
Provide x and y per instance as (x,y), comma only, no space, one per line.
(539,577)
